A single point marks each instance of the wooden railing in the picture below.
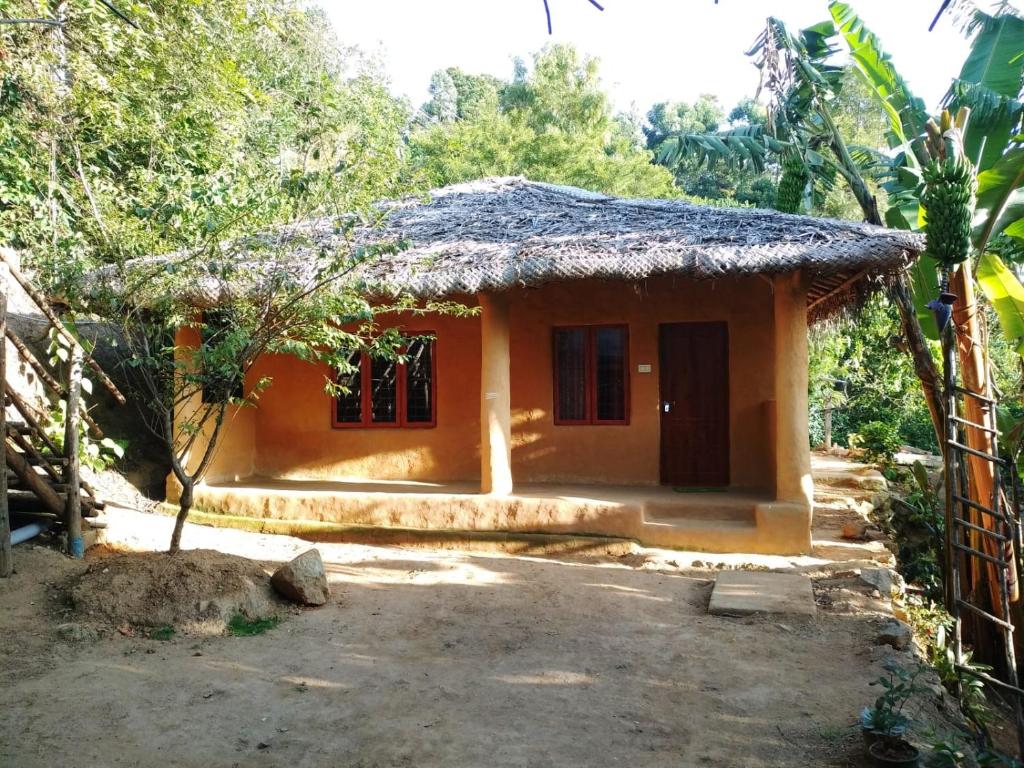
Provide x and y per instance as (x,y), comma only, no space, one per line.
(47,473)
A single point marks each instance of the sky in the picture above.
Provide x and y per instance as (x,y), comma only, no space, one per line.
(650,50)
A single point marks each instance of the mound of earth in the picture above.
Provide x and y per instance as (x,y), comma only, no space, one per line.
(195,590)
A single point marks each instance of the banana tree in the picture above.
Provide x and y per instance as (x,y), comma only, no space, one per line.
(795,70)
(798,72)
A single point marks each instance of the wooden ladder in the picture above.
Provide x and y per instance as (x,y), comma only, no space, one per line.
(42,479)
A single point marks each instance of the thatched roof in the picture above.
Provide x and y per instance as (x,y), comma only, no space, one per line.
(500,233)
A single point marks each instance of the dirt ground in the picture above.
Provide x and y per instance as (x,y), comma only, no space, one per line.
(441,658)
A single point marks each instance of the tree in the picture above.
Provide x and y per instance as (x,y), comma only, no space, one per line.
(710,181)
(188,370)
(205,122)
(928,161)
(444,98)
(551,123)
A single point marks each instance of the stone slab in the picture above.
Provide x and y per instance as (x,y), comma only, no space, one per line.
(741,593)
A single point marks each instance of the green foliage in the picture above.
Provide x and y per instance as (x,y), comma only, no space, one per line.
(1000,206)
(917,526)
(206,120)
(164,633)
(552,123)
(241,625)
(1002,288)
(863,350)
(95,453)
(886,717)
(878,440)
(906,112)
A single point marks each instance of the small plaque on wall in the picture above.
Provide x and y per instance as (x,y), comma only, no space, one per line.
(643,368)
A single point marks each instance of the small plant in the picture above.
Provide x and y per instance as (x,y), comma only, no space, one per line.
(918,528)
(96,454)
(886,718)
(166,632)
(241,625)
(879,441)
(947,754)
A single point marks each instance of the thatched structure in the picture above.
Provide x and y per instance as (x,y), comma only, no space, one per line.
(499,233)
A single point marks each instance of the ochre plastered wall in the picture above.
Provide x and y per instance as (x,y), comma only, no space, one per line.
(630,454)
(291,430)
(294,437)
(236,445)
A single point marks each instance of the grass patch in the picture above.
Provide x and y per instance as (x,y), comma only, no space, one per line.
(242,626)
(166,632)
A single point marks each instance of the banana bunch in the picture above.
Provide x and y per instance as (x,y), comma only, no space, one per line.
(791,186)
(948,200)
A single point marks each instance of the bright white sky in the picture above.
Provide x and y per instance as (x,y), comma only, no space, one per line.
(650,50)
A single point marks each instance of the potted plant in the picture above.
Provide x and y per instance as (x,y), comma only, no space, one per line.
(884,725)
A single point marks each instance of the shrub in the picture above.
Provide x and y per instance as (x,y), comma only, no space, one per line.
(879,441)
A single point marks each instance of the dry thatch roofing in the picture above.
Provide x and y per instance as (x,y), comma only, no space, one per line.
(499,233)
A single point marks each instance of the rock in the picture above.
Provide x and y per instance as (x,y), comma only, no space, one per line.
(885,580)
(855,530)
(77,633)
(895,633)
(303,580)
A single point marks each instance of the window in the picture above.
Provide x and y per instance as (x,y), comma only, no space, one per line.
(591,365)
(380,392)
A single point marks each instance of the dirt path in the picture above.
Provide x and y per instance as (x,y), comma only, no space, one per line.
(427,658)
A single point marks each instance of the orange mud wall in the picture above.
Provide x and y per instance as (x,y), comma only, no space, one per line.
(543,452)
(289,433)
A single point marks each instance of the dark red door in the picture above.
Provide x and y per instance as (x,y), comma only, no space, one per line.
(694,371)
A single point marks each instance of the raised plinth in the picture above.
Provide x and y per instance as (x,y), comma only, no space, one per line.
(730,521)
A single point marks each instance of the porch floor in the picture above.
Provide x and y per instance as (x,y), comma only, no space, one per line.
(730,520)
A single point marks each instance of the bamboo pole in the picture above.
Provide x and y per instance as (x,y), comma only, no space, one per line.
(76,545)
(51,383)
(6,555)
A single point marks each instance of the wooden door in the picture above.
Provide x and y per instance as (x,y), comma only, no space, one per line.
(694,377)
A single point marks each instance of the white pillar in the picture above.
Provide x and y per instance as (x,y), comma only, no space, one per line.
(793,481)
(495,397)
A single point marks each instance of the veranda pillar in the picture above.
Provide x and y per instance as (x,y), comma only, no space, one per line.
(793,482)
(495,397)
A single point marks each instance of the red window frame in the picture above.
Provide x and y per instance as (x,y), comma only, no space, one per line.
(401,395)
(590,378)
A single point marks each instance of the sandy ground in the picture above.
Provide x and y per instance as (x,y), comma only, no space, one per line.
(437,659)
(428,658)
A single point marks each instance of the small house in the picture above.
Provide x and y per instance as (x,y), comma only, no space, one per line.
(636,368)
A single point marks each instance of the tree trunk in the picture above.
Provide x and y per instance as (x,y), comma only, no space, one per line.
(73,502)
(184,505)
(924,363)
(6,556)
(899,292)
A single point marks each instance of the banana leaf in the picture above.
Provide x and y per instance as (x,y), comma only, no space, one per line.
(990,84)
(1000,204)
(924,283)
(1005,292)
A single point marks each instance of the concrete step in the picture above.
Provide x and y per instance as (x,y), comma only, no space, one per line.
(860,479)
(830,545)
(742,593)
(724,511)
